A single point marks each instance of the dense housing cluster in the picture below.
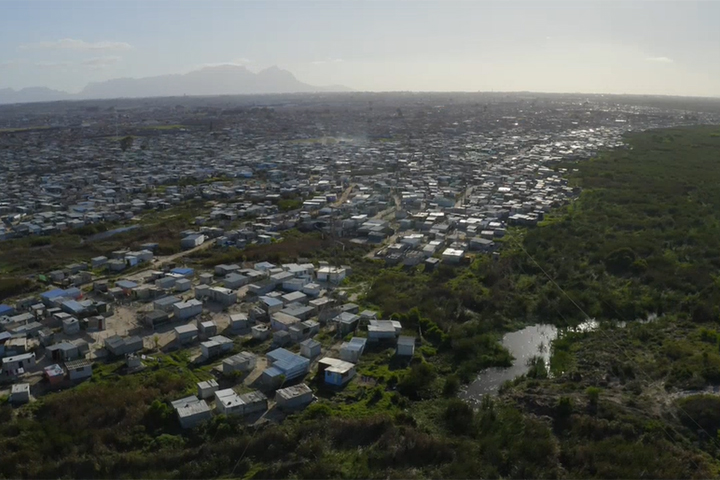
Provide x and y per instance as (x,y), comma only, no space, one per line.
(416,180)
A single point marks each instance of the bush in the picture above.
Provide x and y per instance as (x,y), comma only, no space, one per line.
(451,386)
(459,417)
(417,382)
(593,394)
(564,407)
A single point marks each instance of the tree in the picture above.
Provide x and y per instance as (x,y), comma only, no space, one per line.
(126,142)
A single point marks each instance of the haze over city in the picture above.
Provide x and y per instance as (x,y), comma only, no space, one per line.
(550,46)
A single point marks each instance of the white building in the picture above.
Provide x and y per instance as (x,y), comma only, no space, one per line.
(191,411)
(290,398)
(241,362)
(453,255)
(79,369)
(406,346)
(189,309)
(228,402)
(207,389)
(20,393)
(331,274)
(186,334)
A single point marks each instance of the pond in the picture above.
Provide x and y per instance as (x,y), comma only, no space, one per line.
(523,345)
(532,341)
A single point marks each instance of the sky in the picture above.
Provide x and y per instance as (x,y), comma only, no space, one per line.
(606,46)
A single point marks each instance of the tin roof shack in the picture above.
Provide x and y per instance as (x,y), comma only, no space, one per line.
(241,362)
(262,287)
(165,304)
(63,352)
(239,322)
(283,366)
(223,296)
(156,318)
(20,393)
(228,402)
(234,281)
(383,330)
(310,348)
(79,369)
(405,346)
(283,321)
(192,241)
(336,372)
(225,270)
(215,347)
(183,285)
(270,305)
(6,310)
(352,350)
(119,346)
(346,322)
(17,364)
(294,297)
(54,374)
(260,332)
(166,283)
(254,402)
(207,389)
(189,309)
(303,330)
(331,274)
(12,345)
(185,334)
(293,398)
(191,411)
(207,329)
(311,289)
(71,326)
(453,255)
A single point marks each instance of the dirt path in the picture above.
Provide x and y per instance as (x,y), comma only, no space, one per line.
(157,263)
(343,198)
(389,241)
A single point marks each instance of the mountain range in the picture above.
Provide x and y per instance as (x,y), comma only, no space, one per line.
(218,80)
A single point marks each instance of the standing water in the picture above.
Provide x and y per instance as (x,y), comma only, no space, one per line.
(533,341)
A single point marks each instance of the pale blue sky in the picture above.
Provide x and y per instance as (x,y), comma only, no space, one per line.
(539,45)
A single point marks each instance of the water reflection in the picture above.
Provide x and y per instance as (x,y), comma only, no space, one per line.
(533,341)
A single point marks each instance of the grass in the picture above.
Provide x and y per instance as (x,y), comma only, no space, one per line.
(24,129)
(164,127)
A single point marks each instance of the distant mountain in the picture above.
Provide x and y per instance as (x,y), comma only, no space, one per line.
(220,80)
(32,94)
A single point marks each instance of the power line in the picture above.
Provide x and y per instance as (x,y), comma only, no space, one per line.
(587,317)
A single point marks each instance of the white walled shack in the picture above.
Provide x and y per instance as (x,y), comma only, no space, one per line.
(207,389)
(186,334)
(189,309)
(295,397)
(239,322)
(20,393)
(242,362)
(228,402)
(79,369)
(191,411)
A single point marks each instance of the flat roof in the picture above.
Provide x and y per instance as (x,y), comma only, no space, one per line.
(294,391)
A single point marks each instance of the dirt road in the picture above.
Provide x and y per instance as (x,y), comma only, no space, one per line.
(343,198)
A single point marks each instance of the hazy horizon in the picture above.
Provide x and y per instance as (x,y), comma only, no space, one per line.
(661,48)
